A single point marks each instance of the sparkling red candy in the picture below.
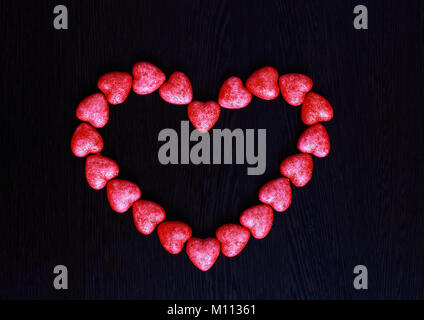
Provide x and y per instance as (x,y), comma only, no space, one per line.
(94,110)
(203,115)
(177,90)
(116,86)
(316,109)
(233,239)
(147,215)
(86,140)
(258,219)
(263,83)
(298,168)
(277,193)
(315,140)
(203,252)
(122,194)
(99,170)
(147,78)
(294,87)
(233,94)
(173,235)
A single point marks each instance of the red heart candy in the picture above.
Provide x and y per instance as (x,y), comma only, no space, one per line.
(263,83)
(258,219)
(116,86)
(147,78)
(173,235)
(147,215)
(86,140)
(294,87)
(94,109)
(203,115)
(99,170)
(277,193)
(177,90)
(122,194)
(298,168)
(233,94)
(315,140)
(203,252)
(233,239)
(316,109)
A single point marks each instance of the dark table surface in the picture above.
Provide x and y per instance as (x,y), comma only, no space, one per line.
(364,205)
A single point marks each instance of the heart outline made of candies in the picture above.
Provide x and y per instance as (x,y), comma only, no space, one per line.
(275,195)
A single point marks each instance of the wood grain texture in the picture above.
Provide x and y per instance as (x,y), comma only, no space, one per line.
(364,204)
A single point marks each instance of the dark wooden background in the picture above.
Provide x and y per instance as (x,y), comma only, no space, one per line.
(363,206)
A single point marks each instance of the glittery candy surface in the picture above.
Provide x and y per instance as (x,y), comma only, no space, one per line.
(86,140)
(173,235)
(298,168)
(94,110)
(177,90)
(203,253)
(99,170)
(122,194)
(277,193)
(203,115)
(294,87)
(316,109)
(233,239)
(116,86)
(233,94)
(263,83)
(258,219)
(147,215)
(147,78)
(315,140)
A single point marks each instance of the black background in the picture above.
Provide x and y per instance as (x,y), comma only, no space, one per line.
(363,206)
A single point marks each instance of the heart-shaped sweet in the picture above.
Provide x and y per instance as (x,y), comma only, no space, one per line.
(177,90)
(316,109)
(203,252)
(203,115)
(315,140)
(99,170)
(147,215)
(147,78)
(294,87)
(94,110)
(277,193)
(298,168)
(173,235)
(258,219)
(86,140)
(233,94)
(116,86)
(122,194)
(233,239)
(263,83)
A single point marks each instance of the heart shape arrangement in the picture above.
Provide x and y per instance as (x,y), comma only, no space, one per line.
(275,195)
